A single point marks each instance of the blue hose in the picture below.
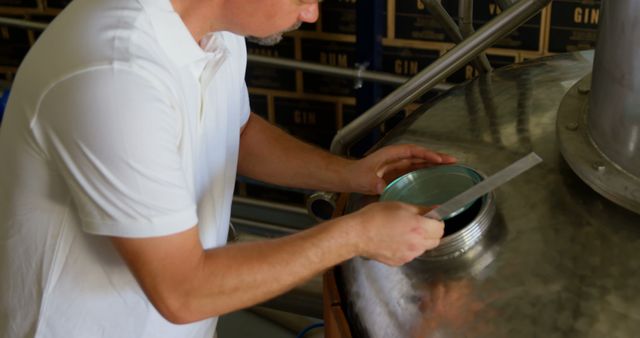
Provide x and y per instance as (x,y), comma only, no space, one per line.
(309,328)
(4,97)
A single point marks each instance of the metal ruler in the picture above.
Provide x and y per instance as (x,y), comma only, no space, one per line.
(485,186)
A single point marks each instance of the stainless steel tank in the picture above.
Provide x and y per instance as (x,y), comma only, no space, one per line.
(561,255)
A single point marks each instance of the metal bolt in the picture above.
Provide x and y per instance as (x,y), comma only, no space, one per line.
(584,89)
(572,126)
(599,166)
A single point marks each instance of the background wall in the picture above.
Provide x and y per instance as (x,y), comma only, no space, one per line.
(313,107)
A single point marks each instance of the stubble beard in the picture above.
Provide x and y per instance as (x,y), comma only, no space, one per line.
(273,39)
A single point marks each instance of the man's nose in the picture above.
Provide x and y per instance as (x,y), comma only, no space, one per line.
(309,13)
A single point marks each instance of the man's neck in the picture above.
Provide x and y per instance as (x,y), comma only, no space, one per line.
(200,16)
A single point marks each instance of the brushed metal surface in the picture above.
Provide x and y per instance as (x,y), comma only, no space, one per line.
(614,115)
(559,260)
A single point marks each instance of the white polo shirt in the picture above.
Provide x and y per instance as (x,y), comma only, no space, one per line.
(119,124)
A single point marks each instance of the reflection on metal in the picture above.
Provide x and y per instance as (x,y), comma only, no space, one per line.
(436,72)
(614,114)
(585,158)
(558,259)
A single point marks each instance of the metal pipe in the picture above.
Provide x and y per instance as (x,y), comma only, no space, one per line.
(270,205)
(447,23)
(358,74)
(23,23)
(450,27)
(614,115)
(437,72)
(465,8)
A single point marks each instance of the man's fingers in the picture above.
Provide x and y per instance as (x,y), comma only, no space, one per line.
(424,209)
(408,151)
(434,229)
(447,158)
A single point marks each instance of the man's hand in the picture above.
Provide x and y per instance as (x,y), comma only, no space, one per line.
(395,233)
(371,174)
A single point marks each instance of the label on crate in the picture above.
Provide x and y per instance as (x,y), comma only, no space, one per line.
(574,25)
(331,53)
(310,120)
(338,16)
(406,62)
(259,105)
(270,77)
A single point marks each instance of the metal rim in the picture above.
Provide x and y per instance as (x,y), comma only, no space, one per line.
(584,157)
(461,241)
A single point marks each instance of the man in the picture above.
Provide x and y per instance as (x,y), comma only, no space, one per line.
(126,124)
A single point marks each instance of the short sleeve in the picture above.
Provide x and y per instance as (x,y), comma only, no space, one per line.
(245,109)
(114,135)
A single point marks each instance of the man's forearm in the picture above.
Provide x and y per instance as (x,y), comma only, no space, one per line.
(241,275)
(186,283)
(271,155)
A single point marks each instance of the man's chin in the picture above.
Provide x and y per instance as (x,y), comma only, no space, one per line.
(274,38)
(267,40)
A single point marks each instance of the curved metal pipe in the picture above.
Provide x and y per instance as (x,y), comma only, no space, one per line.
(446,65)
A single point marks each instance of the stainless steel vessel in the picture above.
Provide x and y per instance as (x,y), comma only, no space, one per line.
(559,260)
(561,255)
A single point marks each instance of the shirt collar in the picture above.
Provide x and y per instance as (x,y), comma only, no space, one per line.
(172,33)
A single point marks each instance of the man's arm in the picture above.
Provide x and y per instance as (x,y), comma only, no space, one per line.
(187,283)
(271,155)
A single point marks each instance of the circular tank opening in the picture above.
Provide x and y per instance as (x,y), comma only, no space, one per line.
(458,222)
(436,185)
